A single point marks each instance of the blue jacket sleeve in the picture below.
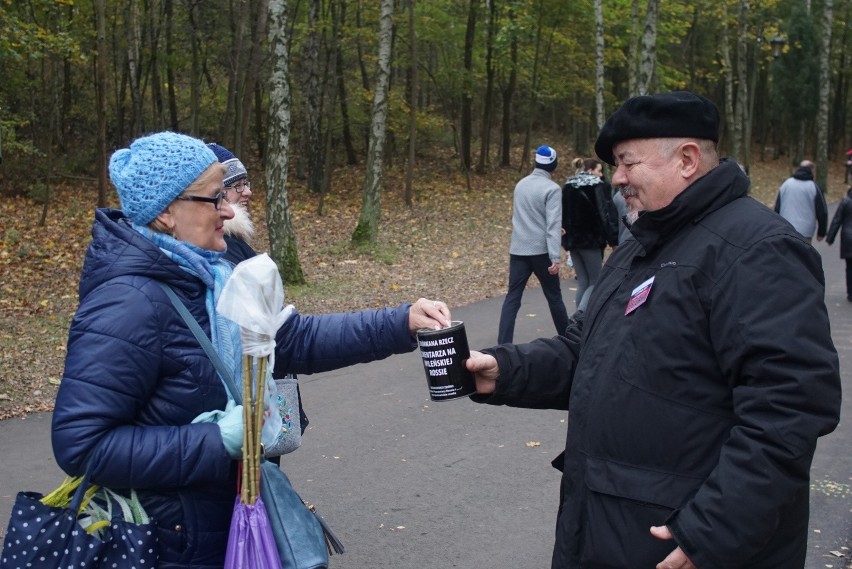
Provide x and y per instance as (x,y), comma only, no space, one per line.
(312,344)
(114,366)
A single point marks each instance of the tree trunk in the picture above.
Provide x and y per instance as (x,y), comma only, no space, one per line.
(525,155)
(365,77)
(368,223)
(648,57)
(467,87)
(282,239)
(412,105)
(136,126)
(824,87)
(599,65)
(346,130)
(100,86)
(159,115)
(488,111)
(311,89)
(237,69)
(170,68)
(508,95)
(258,32)
(329,86)
(195,76)
(741,107)
(633,50)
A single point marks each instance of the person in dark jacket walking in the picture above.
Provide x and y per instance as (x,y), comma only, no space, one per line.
(589,224)
(842,221)
(702,374)
(140,404)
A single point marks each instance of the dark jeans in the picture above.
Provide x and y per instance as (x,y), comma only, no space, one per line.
(520,269)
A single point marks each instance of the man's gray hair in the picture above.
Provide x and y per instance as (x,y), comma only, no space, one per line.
(709,153)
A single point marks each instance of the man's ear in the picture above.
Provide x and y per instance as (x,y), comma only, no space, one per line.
(690,156)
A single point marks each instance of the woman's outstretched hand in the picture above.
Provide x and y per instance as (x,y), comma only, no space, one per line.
(430,314)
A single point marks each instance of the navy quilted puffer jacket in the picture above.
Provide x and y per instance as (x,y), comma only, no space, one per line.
(135,377)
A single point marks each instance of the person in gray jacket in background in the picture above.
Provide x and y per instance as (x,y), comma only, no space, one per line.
(800,201)
(535,247)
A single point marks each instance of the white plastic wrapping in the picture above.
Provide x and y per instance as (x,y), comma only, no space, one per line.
(254,298)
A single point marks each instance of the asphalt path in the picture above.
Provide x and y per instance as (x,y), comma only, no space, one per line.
(407,483)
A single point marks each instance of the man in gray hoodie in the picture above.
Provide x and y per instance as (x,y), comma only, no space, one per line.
(800,201)
(536,247)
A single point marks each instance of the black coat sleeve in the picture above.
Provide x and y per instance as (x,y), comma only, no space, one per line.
(821,212)
(537,375)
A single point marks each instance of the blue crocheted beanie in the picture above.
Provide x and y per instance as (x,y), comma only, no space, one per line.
(234,169)
(155,170)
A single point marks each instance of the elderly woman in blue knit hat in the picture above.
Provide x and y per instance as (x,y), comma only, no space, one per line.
(140,404)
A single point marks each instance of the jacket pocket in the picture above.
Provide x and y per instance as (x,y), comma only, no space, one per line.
(621,504)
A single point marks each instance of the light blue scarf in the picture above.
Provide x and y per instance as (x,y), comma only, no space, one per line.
(214,273)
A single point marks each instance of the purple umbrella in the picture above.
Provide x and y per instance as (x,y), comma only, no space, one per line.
(250,540)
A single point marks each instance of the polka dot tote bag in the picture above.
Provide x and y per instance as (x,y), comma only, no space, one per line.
(49,536)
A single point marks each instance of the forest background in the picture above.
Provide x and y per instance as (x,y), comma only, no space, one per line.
(383,137)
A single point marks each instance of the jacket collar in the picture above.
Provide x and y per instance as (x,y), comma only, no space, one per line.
(118,250)
(803,174)
(720,186)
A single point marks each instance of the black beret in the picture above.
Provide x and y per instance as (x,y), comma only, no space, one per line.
(666,115)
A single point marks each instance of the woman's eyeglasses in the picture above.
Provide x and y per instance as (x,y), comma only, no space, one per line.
(215,200)
(240,187)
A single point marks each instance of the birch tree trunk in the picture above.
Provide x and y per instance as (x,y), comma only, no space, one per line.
(368,223)
(648,57)
(633,50)
(282,239)
(599,65)
(824,88)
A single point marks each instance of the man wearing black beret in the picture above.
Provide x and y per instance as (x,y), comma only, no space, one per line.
(703,372)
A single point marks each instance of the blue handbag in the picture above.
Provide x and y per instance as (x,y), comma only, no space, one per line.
(303,539)
(299,535)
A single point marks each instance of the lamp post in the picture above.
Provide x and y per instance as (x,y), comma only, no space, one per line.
(777,43)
